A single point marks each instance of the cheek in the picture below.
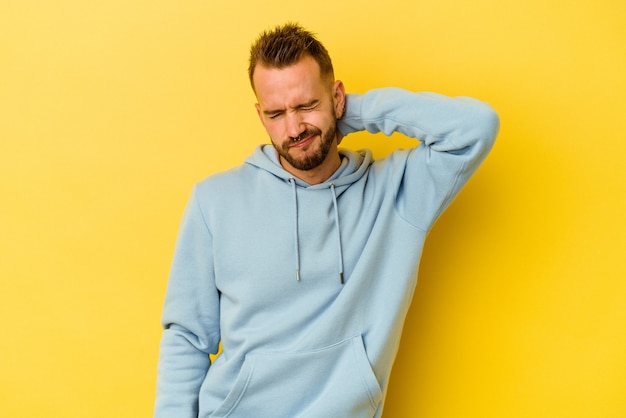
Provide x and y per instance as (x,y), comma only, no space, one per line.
(324,121)
(275,131)
(271,127)
(320,120)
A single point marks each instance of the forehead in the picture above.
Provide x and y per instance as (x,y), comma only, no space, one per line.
(301,81)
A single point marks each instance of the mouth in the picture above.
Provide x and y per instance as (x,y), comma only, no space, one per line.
(301,141)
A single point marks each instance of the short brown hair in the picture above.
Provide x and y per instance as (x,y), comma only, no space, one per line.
(286,45)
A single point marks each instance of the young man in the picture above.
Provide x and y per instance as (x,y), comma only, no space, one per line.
(303,260)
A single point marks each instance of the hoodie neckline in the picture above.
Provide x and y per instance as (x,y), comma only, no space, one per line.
(354,165)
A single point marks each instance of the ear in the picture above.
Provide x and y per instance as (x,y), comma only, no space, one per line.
(259,113)
(339,98)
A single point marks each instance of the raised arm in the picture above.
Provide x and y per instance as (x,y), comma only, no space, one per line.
(456,134)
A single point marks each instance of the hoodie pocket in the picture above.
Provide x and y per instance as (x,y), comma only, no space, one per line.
(335,381)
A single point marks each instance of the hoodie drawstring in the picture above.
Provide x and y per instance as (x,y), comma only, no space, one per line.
(296,234)
(295,226)
(334,193)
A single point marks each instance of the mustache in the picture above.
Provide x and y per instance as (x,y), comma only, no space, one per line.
(304,134)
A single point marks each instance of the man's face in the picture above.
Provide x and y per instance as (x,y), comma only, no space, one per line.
(299,111)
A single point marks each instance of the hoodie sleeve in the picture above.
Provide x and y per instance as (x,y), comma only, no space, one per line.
(455,133)
(190,319)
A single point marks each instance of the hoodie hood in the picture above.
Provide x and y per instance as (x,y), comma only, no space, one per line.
(354,165)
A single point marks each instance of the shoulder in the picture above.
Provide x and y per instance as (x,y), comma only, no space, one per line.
(233,177)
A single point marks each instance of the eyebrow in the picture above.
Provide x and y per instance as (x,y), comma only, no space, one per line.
(311,103)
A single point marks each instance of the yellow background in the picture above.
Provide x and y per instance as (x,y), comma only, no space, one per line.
(111,110)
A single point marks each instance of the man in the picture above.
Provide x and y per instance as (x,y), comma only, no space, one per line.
(302,262)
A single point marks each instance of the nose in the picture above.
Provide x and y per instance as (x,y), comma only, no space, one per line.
(293,124)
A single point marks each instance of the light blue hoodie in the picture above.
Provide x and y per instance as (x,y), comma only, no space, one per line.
(261,257)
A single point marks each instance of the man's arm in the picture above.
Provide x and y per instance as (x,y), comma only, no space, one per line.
(190,319)
(456,134)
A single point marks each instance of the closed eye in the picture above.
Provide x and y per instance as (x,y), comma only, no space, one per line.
(309,106)
(273,115)
(305,107)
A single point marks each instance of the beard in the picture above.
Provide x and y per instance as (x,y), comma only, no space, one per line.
(314,159)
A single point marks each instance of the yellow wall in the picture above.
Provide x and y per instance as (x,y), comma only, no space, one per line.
(111,110)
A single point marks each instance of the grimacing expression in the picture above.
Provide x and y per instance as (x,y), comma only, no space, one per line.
(298,110)
(318,154)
